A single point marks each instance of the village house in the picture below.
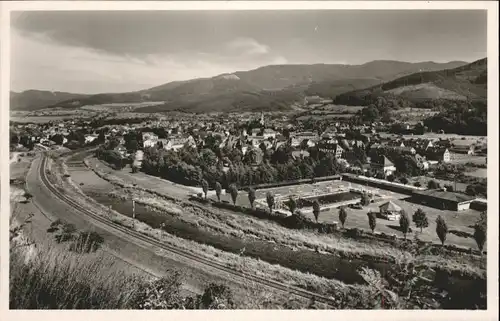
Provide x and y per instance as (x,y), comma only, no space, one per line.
(269,133)
(300,136)
(149,139)
(90,138)
(384,164)
(331,146)
(255,131)
(462,147)
(438,154)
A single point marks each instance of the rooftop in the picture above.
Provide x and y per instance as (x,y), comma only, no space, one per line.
(449,196)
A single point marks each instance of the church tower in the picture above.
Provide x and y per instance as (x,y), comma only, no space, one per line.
(262,118)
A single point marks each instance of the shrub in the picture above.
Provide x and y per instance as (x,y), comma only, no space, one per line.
(354,233)
(86,242)
(432,184)
(420,219)
(365,199)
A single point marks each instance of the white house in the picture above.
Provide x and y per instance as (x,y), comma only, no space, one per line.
(90,138)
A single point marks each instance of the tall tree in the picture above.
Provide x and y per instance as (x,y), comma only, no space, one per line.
(372,220)
(292,205)
(218,190)
(204,185)
(251,196)
(342,215)
(404,223)
(316,209)
(233,190)
(270,201)
(441,229)
(420,219)
(480,235)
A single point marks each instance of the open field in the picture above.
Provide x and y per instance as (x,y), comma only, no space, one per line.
(438,136)
(337,109)
(480,172)
(460,187)
(121,106)
(463,159)
(20,166)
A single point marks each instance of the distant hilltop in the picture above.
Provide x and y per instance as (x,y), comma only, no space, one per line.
(278,87)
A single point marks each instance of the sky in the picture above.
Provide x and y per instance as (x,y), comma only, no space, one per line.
(120,51)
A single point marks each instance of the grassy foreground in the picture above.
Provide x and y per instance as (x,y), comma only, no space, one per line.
(53,278)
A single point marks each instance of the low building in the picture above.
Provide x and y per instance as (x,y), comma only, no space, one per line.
(390,211)
(443,200)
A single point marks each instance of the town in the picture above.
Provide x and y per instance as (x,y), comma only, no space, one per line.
(267,176)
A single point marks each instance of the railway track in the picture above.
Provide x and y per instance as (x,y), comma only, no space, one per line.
(241,276)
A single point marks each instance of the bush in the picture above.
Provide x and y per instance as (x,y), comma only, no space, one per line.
(432,184)
(354,233)
(86,242)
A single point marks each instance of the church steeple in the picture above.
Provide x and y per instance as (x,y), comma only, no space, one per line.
(262,118)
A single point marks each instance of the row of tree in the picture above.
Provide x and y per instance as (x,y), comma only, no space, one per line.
(188,166)
(419,218)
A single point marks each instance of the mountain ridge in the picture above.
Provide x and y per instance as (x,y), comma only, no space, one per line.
(276,85)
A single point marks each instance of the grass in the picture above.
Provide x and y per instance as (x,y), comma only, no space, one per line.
(235,224)
(249,265)
(255,266)
(56,279)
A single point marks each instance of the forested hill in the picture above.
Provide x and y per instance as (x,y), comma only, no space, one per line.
(425,89)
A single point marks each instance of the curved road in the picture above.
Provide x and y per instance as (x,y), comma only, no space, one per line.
(132,240)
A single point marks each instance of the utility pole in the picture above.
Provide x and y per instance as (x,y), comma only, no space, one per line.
(133,213)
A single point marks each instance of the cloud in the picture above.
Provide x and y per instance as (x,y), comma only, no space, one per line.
(38,62)
(248,46)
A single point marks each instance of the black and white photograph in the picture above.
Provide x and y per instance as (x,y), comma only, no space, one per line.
(236,159)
